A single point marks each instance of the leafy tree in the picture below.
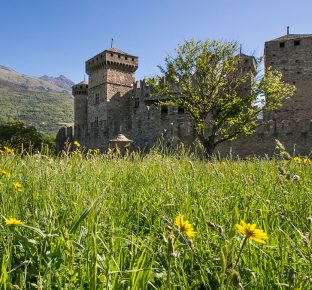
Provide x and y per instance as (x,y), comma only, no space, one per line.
(212,83)
(18,135)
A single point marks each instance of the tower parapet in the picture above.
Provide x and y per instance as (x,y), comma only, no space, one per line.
(112,58)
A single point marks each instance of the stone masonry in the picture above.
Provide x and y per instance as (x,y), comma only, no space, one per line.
(113,102)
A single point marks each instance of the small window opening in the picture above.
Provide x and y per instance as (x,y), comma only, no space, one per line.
(132,59)
(180,110)
(136,102)
(126,58)
(164,111)
(297,42)
(97,99)
(282,44)
(112,54)
(118,56)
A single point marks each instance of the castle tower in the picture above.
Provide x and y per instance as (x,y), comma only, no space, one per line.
(80,93)
(291,54)
(111,78)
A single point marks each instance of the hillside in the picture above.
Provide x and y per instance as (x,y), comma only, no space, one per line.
(33,100)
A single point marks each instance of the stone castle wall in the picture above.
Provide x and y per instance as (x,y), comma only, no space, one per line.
(115,103)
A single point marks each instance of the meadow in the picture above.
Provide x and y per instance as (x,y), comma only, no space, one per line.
(159,221)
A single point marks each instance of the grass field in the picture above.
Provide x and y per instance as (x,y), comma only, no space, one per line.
(101,222)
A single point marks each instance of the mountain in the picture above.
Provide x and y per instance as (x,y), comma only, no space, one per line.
(35,101)
(34,84)
(61,81)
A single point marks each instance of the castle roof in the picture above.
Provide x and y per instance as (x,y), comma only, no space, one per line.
(116,50)
(120,138)
(291,36)
(83,83)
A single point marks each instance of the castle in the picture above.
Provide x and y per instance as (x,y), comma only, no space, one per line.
(112,102)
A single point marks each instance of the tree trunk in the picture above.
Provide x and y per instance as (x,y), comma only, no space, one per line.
(208,144)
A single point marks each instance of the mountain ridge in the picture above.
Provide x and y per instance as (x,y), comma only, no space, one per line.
(45,104)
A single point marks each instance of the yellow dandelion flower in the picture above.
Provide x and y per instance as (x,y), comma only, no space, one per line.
(8,150)
(77,144)
(307,161)
(18,187)
(250,231)
(184,226)
(4,173)
(13,222)
(298,159)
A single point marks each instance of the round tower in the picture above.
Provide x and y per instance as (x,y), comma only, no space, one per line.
(80,93)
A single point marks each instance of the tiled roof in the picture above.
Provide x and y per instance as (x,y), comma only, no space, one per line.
(119,138)
(116,50)
(292,36)
(83,83)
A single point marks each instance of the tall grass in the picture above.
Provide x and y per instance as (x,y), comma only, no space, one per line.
(101,222)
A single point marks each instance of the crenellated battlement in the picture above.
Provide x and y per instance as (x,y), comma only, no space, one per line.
(80,89)
(285,127)
(112,58)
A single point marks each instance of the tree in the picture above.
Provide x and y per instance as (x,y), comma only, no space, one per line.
(19,136)
(212,83)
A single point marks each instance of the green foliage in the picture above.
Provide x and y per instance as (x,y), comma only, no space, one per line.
(218,88)
(103,222)
(21,137)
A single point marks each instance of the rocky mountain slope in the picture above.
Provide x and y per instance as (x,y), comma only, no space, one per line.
(36,101)
(61,81)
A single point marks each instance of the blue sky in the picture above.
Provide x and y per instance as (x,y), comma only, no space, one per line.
(56,37)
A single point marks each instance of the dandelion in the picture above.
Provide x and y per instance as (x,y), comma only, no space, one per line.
(250,232)
(307,161)
(8,150)
(4,173)
(18,187)
(13,222)
(185,226)
(77,144)
(298,159)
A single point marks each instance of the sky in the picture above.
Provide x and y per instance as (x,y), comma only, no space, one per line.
(54,37)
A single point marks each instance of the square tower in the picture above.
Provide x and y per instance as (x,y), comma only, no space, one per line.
(111,78)
(291,54)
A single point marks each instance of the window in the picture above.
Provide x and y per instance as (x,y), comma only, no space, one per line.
(163,111)
(118,56)
(126,58)
(97,99)
(136,102)
(133,59)
(282,44)
(112,54)
(180,110)
(297,42)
